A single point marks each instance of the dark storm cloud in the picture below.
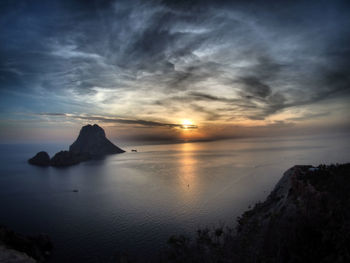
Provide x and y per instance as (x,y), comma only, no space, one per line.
(254,87)
(246,105)
(239,102)
(267,57)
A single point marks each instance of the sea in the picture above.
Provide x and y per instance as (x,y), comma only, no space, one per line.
(131,203)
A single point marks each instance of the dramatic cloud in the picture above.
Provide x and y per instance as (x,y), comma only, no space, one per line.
(155,63)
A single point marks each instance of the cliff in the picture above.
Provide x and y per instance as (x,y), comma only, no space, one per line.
(18,248)
(8,255)
(306,218)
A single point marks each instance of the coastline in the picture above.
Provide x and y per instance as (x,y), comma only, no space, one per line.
(306,204)
(304,219)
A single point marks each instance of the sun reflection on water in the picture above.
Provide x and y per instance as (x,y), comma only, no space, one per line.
(188,180)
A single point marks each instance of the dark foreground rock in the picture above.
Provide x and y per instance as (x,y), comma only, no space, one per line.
(16,247)
(90,144)
(40,159)
(8,255)
(306,218)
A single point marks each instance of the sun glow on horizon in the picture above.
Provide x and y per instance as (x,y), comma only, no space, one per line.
(187,124)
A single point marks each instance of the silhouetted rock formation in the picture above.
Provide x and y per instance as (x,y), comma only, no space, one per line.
(8,255)
(306,218)
(24,248)
(40,159)
(91,143)
(64,158)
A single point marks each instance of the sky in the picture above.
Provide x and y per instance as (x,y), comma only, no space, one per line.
(173,70)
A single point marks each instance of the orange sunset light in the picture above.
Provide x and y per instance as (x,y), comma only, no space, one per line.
(187,124)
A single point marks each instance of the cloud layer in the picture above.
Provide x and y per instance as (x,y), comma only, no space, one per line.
(156,62)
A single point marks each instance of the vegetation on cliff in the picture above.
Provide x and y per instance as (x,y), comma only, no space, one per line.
(19,248)
(306,218)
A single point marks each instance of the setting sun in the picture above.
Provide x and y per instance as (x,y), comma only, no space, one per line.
(187,124)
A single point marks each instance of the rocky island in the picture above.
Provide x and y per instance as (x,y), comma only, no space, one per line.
(40,159)
(91,143)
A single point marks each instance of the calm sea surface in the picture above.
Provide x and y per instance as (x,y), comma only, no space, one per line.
(133,202)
